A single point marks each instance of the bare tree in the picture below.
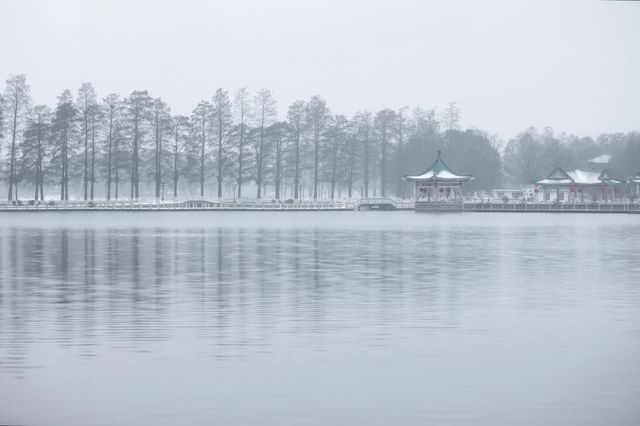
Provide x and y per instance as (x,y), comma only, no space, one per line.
(351,150)
(364,121)
(384,121)
(400,126)
(242,108)
(161,125)
(222,119)
(279,132)
(1,120)
(452,116)
(180,134)
(17,99)
(200,118)
(137,106)
(335,140)
(87,105)
(34,146)
(296,117)
(112,107)
(64,133)
(265,109)
(317,116)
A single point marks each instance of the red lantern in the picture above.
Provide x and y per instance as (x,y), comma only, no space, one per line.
(536,190)
(448,190)
(573,189)
(602,189)
(441,190)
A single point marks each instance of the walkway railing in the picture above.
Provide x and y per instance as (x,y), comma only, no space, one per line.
(616,207)
(308,205)
(171,205)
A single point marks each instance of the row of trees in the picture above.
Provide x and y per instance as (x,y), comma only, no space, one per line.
(134,146)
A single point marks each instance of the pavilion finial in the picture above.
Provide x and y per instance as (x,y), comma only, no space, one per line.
(439,152)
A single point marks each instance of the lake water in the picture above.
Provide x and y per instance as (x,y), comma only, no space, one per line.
(319,318)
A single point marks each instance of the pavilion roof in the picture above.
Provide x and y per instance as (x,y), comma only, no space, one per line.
(578,177)
(439,171)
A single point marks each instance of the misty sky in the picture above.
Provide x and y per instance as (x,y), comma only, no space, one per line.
(574,66)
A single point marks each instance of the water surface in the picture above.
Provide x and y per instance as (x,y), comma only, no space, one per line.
(319,318)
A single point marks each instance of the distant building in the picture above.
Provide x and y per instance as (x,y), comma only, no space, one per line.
(579,185)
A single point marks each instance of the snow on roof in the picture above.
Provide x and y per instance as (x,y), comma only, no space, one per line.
(554,182)
(439,171)
(600,159)
(584,177)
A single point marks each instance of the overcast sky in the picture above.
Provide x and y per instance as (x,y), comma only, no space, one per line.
(574,66)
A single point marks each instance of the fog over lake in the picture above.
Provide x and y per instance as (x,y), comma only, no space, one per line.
(371,318)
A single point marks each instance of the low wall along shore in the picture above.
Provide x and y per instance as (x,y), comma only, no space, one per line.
(362,204)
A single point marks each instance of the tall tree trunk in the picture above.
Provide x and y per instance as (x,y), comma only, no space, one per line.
(116,167)
(219,155)
(334,170)
(86,155)
(366,163)
(400,189)
(38,177)
(12,161)
(175,164)
(64,192)
(259,157)
(109,152)
(240,153)
(278,165)
(316,159)
(93,155)
(383,161)
(202,157)
(296,181)
(134,162)
(157,156)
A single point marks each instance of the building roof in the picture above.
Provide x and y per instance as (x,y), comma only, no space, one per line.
(440,172)
(635,179)
(578,177)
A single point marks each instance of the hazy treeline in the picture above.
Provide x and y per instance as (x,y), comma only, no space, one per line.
(129,147)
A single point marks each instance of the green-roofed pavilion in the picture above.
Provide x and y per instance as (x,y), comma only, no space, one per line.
(439,182)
